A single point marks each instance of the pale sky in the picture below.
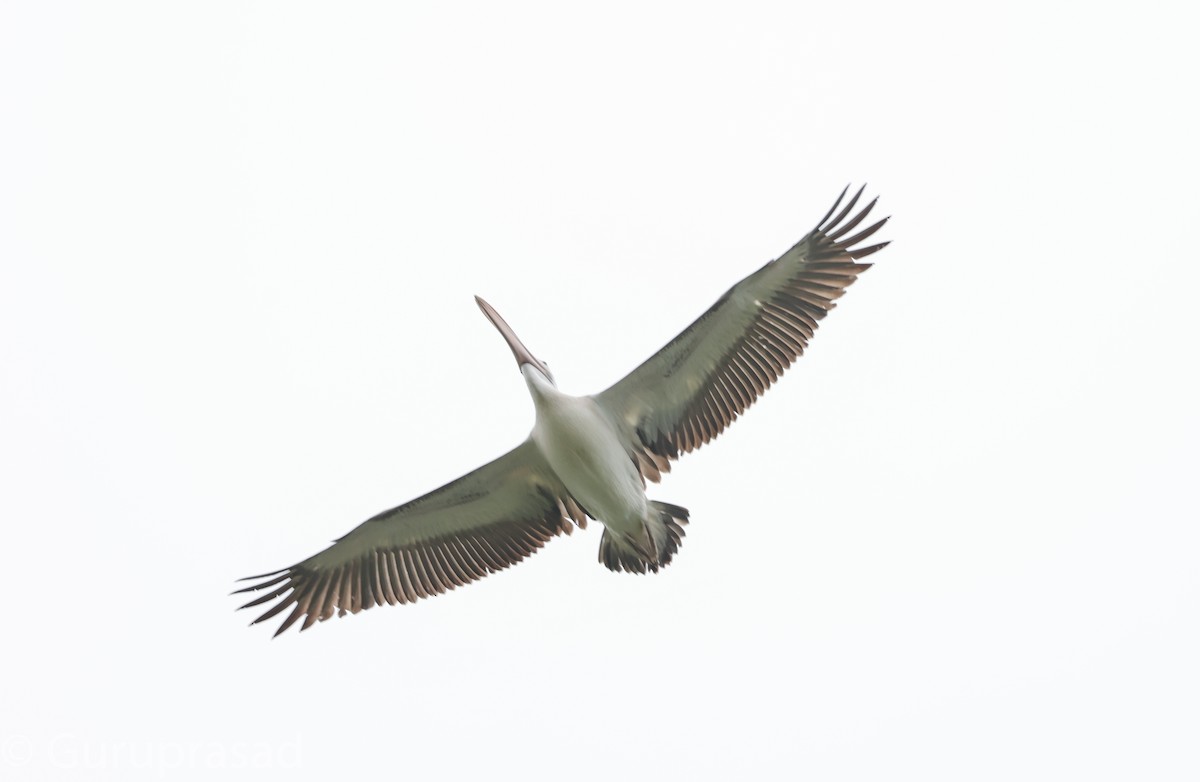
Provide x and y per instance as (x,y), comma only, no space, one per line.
(238,248)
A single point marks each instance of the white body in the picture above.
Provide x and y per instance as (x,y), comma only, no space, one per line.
(583,447)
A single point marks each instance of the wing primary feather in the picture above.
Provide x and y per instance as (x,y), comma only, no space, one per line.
(808,296)
(275,609)
(316,606)
(306,591)
(845,211)
(264,575)
(291,620)
(333,597)
(863,253)
(854,221)
(832,208)
(858,237)
(264,585)
(266,598)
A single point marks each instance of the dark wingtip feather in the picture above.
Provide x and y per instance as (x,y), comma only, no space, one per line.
(863,234)
(263,585)
(263,575)
(266,598)
(845,210)
(864,252)
(291,620)
(858,218)
(836,204)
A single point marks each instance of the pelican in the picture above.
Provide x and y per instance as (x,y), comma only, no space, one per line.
(588,457)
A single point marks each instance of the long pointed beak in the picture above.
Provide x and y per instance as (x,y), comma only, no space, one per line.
(520,352)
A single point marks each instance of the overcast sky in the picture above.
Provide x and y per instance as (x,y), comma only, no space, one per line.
(238,248)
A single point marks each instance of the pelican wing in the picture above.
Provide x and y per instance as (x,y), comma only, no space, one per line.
(483,522)
(686,394)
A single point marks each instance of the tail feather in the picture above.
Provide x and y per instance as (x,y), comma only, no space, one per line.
(665,531)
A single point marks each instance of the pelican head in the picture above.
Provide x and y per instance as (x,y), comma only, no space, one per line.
(520,352)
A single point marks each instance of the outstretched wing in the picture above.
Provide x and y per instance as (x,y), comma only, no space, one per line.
(687,393)
(485,521)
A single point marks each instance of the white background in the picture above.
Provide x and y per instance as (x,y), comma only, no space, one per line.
(239,243)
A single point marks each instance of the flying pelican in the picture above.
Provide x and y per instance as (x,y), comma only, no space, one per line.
(589,456)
